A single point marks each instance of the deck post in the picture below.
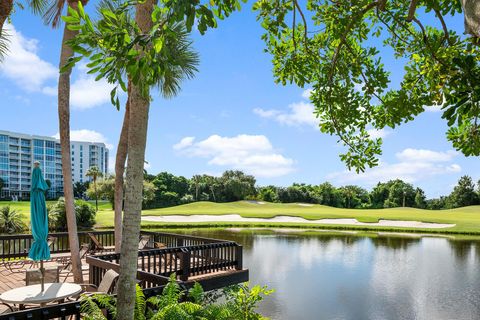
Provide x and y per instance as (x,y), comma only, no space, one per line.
(179,242)
(239,254)
(185,264)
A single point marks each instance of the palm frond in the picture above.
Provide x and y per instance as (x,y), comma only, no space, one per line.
(196,294)
(90,309)
(4,40)
(140,304)
(38,6)
(179,59)
(53,13)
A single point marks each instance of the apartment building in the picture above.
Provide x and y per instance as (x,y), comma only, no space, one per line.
(19,151)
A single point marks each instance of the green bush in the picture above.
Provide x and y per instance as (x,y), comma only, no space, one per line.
(236,303)
(11,221)
(57,218)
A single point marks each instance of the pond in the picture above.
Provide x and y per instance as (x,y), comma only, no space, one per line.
(325,275)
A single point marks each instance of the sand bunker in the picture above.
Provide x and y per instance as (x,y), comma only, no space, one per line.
(255,202)
(280,219)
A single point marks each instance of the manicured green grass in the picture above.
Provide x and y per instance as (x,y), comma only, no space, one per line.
(23,207)
(467,219)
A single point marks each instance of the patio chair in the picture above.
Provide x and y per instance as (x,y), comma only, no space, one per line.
(97,245)
(144,240)
(8,308)
(107,285)
(18,265)
(67,269)
(159,245)
(34,276)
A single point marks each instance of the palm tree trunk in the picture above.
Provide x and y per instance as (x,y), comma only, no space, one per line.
(121,157)
(137,140)
(213,194)
(471,12)
(6,7)
(64,124)
(96,193)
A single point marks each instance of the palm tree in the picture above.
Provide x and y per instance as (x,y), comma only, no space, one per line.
(171,62)
(6,9)
(52,17)
(10,221)
(120,159)
(183,66)
(94,173)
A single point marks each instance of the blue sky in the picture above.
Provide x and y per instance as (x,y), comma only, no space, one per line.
(231,116)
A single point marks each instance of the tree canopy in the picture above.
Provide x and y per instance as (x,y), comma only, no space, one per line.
(333,46)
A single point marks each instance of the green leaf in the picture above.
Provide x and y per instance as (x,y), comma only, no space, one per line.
(158,44)
(113,94)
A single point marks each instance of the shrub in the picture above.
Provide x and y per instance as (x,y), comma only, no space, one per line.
(11,221)
(236,303)
(57,217)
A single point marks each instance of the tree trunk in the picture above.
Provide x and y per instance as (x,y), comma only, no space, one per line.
(137,139)
(471,11)
(96,193)
(6,7)
(64,124)
(121,157)
(213,194)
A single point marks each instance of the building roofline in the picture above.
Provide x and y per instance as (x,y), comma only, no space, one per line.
(33,136)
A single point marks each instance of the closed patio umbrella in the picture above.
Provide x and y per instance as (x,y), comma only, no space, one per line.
(39,250)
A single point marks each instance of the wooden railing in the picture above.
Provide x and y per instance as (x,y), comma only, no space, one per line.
(156,265)
(63,311)
(18,245)
(188,257)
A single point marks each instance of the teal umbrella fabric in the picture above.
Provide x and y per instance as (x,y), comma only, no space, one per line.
(39,217)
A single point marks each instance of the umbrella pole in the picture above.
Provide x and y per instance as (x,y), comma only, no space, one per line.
(42,271)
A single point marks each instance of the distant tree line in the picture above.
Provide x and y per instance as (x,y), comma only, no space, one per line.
(166,189)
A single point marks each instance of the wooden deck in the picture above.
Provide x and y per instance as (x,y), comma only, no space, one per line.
(212,263)
(11,280)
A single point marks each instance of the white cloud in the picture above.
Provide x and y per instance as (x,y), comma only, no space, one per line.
(423,155)
(299,114)
(86,93)
(375,134)
(23,65)
(185,142)
(88,136)
(252,153)
(413,165)
(307,93)
(146,165)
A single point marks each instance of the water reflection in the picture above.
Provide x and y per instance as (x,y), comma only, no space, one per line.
(324,275)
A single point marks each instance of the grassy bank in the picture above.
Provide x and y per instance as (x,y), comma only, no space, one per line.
(466,220)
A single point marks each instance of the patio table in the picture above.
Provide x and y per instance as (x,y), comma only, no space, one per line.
(33,295)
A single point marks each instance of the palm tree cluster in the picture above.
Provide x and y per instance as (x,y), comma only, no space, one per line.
(11,221)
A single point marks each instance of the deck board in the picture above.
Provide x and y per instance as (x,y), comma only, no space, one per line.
(11,280)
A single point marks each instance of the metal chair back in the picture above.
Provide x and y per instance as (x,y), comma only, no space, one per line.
(143,242)
(98,245)
(107,285)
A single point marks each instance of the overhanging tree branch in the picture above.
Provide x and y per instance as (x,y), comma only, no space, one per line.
(305,29)
(411,10)
(444,25)
(343,39)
